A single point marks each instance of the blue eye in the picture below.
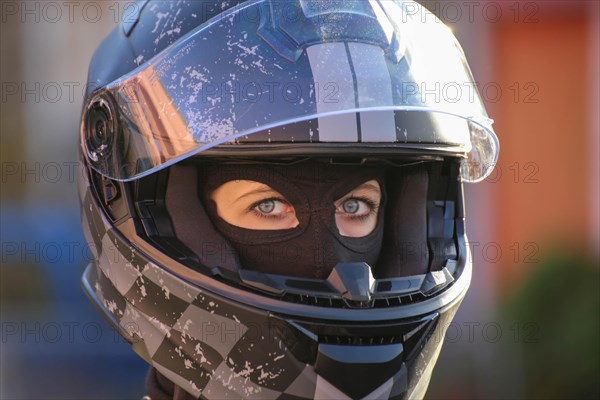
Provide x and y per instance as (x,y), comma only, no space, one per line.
(351,206)
(272,209)
(357,208)
(267,206)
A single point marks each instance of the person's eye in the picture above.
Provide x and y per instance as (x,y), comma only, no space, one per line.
(271,208)
(356,215)
(357,208)
(267,207)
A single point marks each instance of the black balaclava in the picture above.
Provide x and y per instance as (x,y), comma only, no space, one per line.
(315,246)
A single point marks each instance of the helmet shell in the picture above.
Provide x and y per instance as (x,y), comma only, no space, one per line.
(267,79)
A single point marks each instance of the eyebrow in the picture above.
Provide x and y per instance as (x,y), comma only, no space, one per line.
(367,186)
(261,190)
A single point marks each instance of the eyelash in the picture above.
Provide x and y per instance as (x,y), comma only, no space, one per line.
(373,208)
(253,210)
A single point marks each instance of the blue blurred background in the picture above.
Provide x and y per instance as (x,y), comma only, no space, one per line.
(529,326)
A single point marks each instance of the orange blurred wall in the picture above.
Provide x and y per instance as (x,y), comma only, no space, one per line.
(544,184)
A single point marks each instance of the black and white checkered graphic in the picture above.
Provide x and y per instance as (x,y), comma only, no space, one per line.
(207,346)
(193,339)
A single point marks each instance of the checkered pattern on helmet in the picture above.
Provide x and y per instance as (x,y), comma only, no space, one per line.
(197,341)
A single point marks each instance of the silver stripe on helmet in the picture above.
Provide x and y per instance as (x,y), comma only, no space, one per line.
(373,76)
(334,91)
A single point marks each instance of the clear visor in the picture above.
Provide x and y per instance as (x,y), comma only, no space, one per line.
(294,73)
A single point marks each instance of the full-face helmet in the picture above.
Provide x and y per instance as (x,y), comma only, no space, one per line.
(312,99)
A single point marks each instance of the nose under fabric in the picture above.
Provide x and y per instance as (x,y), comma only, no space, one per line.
(315,246)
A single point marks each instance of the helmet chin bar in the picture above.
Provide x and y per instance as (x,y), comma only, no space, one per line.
(351,285)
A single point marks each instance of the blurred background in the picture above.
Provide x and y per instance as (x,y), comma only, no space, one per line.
(529,327)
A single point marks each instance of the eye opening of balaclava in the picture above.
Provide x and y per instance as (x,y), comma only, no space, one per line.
(408,187)
(315,246)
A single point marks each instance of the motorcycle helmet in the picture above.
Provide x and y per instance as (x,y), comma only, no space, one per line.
(311,98)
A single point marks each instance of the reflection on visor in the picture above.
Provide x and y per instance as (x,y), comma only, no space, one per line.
(346,72)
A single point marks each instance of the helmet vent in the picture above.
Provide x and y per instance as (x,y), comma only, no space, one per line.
(360,341)
(384,302)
